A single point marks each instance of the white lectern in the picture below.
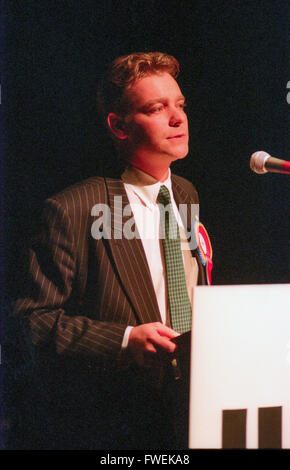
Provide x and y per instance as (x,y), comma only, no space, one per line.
(240,367)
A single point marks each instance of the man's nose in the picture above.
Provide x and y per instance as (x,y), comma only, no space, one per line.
(177,117)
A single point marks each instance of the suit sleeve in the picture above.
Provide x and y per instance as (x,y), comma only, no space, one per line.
(48,291)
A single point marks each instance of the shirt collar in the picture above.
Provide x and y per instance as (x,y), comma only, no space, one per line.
(145,186)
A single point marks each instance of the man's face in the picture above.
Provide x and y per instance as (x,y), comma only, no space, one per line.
(157,126)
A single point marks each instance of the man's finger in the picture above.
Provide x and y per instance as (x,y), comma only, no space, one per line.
(163,342)
(164,330)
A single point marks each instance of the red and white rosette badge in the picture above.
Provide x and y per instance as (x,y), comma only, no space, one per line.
(204,248)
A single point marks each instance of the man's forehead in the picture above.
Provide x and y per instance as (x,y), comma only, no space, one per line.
(153,88)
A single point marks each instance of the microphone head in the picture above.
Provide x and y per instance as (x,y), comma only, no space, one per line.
(257,162)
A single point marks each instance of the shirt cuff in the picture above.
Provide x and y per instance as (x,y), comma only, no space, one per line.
(126,337)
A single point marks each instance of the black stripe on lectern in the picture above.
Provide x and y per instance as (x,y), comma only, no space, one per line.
(234,429)
(270,427)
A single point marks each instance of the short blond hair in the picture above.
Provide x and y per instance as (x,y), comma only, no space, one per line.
(124,71)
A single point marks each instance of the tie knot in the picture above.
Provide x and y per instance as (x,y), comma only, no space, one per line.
(163,196)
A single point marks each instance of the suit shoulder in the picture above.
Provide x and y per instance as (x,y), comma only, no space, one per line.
(186,186)
(78,199)
(87,191)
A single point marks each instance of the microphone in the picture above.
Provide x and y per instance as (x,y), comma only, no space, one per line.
(261,162)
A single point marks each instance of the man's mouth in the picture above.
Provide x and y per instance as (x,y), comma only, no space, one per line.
(178,136)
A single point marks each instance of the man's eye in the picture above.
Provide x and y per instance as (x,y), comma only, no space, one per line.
(156,109)
(182,105)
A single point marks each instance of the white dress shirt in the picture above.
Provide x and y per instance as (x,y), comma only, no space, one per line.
(142,191)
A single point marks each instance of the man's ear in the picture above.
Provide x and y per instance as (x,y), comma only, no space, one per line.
(117,126)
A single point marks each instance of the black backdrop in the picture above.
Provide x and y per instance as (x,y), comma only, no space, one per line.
(234,58)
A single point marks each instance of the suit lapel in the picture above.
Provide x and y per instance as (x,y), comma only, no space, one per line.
(184,203)
(188,217)
(129,256)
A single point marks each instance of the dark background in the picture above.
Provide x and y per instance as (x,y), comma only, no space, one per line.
(234,58)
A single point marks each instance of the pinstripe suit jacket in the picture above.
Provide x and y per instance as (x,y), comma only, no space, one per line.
(82,293)
(79,296)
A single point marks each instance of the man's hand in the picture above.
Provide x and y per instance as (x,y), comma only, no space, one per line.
(150,344)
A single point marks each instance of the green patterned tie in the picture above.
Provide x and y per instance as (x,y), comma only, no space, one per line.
(179,303)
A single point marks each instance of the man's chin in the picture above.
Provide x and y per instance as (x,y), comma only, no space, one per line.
(180,155)
(181,152)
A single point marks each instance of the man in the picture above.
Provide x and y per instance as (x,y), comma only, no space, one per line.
(96,307)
